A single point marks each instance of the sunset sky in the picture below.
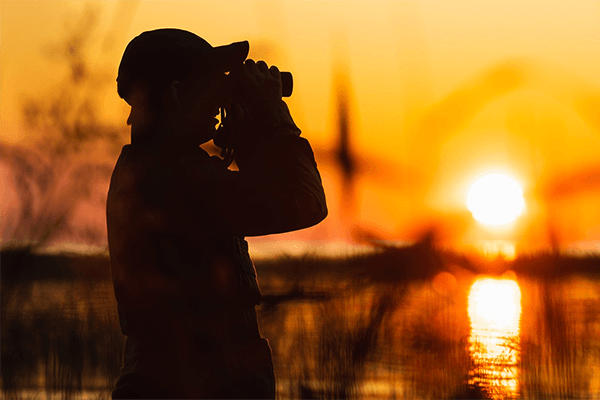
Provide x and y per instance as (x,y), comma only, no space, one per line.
(442,92)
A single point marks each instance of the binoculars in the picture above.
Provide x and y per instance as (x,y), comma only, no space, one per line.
(287,84)
(225,137)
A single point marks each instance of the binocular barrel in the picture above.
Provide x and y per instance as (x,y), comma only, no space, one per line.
(287,84)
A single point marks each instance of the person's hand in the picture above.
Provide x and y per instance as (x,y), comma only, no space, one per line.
(259,82)
(259,112)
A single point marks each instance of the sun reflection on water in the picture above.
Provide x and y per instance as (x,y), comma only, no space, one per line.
(495,313)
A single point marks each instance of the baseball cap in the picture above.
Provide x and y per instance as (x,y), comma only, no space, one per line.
(160,56)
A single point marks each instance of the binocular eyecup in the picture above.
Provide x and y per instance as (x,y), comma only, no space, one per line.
(287,84)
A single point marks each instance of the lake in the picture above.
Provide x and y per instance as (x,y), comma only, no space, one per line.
(408,322)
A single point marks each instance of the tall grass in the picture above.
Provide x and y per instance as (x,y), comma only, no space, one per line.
(364,326)
(561,346)
(59,324)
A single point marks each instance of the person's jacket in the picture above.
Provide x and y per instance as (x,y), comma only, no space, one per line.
(184,281)
(176,225)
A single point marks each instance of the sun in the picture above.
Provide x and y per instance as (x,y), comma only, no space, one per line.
(495,199)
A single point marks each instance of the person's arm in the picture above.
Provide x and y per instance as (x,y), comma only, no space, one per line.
(278,190)
(278,187)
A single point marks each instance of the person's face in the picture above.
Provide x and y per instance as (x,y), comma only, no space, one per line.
(201,96)
(143,116)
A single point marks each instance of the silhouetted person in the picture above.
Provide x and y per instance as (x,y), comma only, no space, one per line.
(184,282)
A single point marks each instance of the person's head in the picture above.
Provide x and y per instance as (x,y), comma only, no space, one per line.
(175,82)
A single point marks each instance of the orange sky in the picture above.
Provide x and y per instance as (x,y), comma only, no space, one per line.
(446,90)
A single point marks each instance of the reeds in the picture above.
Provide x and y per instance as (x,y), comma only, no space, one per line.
(59,327)
(561,348)
(365,326)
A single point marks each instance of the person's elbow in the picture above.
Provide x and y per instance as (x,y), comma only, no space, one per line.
(322,212)
(315,211)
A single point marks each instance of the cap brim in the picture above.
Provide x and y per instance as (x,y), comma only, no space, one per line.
(231,55)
